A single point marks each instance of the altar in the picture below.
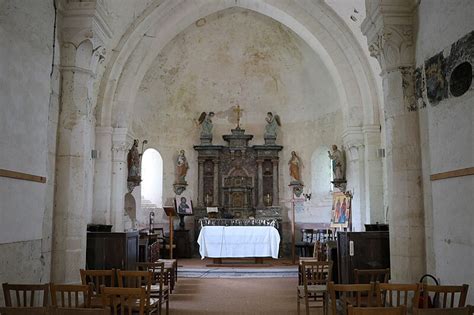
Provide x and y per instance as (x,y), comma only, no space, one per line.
(238,181)
(238,241)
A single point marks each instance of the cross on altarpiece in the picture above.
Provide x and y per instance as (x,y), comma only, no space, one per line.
(239,111)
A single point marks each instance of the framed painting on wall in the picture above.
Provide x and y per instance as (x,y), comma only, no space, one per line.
(341,210)
(183,205)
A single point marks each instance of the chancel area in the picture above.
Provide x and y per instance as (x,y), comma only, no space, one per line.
(236,156)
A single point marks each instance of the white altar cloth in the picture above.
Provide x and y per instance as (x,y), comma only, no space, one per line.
(238,241)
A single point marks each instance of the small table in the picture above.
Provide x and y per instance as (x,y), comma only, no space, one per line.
(239,242)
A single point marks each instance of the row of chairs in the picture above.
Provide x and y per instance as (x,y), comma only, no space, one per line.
(154,278)
(98,290)
(317,286)
(74,300)
(34,299)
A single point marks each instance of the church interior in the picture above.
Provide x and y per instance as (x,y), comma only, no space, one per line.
(237,150)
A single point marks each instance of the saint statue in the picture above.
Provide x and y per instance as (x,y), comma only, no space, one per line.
(133,161)
(205,120)
(273,121)
(294,166)
(182,167)
(338,163)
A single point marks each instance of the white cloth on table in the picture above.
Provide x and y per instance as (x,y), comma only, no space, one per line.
(238,241)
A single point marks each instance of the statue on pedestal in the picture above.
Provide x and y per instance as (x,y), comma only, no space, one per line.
(273,122)
(338,168)
(294,167)
(338,163)
(182,167)
(205,120)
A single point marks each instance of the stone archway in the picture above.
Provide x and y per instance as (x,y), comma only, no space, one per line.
(316,23)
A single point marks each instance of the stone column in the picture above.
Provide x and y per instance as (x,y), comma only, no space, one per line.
(276,188)
(82,34)
(120,146)
(260,183)
(215,192)
(355,173)
(102,175)
(201,183)
(373,175)
(389,31)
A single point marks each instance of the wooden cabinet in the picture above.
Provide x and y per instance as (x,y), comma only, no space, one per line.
(112,250)
(361,250)
(183,244)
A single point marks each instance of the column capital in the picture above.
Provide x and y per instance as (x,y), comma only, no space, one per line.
(388,27)
(83,21)
(120,144)
(353,141)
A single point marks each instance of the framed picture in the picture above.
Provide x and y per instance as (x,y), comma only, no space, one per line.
(341,210)
(183,205)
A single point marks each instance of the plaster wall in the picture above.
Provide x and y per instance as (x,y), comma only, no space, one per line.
(28,123)
(240,57)
(447,138)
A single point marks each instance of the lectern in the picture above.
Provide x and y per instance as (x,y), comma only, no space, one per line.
(170,212)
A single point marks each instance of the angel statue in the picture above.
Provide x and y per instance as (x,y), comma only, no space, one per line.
(273,121)
(205,120)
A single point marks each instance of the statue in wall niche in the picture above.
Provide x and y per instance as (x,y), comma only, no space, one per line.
(338,163)
(133,161)
(182,167)
(273,122)
(205,120)
(295,168)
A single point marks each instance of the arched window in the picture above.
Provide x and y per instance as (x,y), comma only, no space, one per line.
(152,177)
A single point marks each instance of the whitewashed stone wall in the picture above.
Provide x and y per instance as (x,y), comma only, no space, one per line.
(28,122)
(234,57)
(447,138)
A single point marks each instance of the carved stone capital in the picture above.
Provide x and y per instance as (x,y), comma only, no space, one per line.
(388,27)
(82,21)
(353,140)
(120,145)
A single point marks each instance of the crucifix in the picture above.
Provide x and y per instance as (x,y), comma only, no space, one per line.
(239,111)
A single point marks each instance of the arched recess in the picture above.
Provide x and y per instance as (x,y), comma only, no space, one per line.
(315,23)
(152,178)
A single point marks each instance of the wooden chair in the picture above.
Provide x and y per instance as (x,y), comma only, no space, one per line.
(395,294)
(158,288)
(71,295)
(316,276)
(139,279)
(79,311)
(96,278)
(443,311)
(305,243)
(171,265)
(124,300)
(400,310)
(371,275)
(351,294)
(21,292)
(446,295)
(24,310)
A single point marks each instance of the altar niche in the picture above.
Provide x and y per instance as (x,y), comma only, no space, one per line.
(241,180)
